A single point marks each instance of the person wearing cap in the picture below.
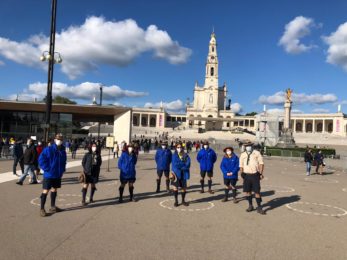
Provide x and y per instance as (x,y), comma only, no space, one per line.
(91,163)
(230,168)
(206,158)
(180,173)
(252,167)
(53,163)
(163,158)
(126,164)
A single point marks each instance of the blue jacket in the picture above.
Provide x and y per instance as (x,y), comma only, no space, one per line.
(163,158)
(230,165)
(206,158)
(126,164)
(53,161)
(181,167)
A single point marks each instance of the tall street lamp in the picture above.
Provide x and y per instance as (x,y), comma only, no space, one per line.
(52,57)
(101,86)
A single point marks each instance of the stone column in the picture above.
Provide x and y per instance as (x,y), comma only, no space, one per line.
(304,126)
(313,125)
(140,122)
(148,119)
(294,127)
(323,129)
(287,110)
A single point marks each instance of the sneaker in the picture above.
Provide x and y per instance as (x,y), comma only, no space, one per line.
(184,203)
(250,208)
(33,182)
(260,211)
(19,182)
(84,203)
(235,200)
(43,213)
(55,210)
(91,200)
(211,191)
(133,199)
(225,199)
(307,174)
(176,204)
(202,191)
(120,200)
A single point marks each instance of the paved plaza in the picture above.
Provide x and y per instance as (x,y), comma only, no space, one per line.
(306,218)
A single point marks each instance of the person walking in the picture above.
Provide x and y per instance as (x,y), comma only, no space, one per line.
(74,147)
(53,163)
(230,168)
(126,164)
(319,158)
(18,156)
(115,150)
(29,160)
(206,158)
(308,160)
(252,168)
(163,158)
(91,163)
(180,173)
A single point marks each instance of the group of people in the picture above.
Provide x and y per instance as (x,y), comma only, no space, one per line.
(175,166)
(316,159)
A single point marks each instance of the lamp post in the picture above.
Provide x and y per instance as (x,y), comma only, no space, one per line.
(100,105)
(50,57)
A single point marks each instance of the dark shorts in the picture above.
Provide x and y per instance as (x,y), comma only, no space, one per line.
(251,183)
(179,183)
(48,184)
(203,174)
(90,179)
(228,182)
(125,181)
(161,172)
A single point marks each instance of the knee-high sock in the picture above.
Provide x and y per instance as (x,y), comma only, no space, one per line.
(176,196)
(121,190)
(158,185)
(258,200)
(234,193)
(202,182)
(167,184)
(92,191)
(249,198)
(43,200)
(226,191)
(209,184)
(84,194)
(131,191)
(183,196)
(53,198)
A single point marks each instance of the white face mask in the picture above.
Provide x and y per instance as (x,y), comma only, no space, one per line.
(94,149)
(163,146)
(39,143)
(179,150)
(58,142)
(228,152)
(249,148)
(130,149)
(205,146)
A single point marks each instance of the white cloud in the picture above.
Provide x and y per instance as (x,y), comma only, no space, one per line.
(85,91)
(176,105)
(337,51)
(298,98)
(2,63)
(296,29)
(280,111)
(96,42)
(320,110)
(235,107)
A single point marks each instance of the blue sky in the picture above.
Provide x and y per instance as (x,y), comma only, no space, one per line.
(144,52)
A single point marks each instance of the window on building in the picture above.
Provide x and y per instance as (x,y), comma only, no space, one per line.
(212,49)
(212,71)
(211,98)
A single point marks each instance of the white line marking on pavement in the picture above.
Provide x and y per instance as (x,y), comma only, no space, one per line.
(291,206)
(278,188)
(36,201)
(162,204)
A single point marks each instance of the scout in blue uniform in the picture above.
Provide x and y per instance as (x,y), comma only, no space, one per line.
(230,168)
(163,158)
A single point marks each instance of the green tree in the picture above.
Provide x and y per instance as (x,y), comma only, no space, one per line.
(251,114)
(61,100)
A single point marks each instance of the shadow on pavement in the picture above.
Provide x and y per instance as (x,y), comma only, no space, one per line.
(279,202)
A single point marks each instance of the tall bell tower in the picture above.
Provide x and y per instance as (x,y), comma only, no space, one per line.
(211,76)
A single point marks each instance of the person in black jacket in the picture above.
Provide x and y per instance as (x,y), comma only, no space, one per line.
(18,156)
(91,167)
(29,159)
(308,160)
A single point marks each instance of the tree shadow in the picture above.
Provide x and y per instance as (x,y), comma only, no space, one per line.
(279,202)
